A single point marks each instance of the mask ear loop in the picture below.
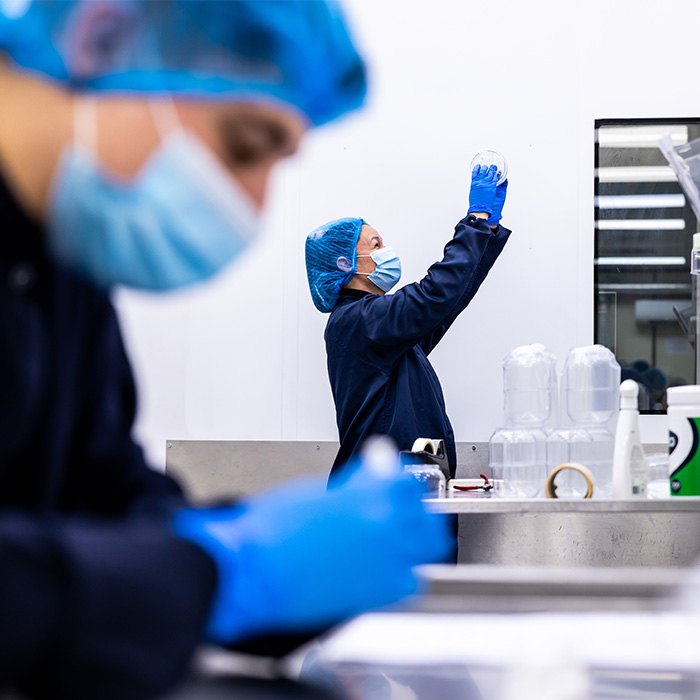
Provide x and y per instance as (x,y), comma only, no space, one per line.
(165,117)
(85,128)
(85,123)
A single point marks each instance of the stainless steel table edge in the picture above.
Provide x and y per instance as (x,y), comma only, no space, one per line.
(686,504)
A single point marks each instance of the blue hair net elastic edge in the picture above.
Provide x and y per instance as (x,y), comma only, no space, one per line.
(341,281)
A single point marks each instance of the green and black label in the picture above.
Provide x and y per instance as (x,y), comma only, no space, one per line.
(684,456)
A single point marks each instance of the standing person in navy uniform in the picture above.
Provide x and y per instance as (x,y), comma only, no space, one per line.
(136,140)
(378,344)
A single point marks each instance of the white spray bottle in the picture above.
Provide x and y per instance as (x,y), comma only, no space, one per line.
(629,466)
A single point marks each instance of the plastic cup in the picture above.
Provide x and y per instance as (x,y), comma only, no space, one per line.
(488,157)
(658,481)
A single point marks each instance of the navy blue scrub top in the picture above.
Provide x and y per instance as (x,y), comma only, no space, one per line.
(378,347)
(98,599)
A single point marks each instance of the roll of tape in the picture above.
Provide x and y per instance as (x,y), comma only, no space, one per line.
(423,445)
(551,489)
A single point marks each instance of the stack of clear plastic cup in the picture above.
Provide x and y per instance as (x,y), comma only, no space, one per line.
(518,451)
(567,446)
(590,397)
(517,459)
(430,477)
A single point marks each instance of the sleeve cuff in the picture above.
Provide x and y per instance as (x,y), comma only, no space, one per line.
(479,223)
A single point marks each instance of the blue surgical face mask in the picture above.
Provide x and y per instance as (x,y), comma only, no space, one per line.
(178,222)
(388,270)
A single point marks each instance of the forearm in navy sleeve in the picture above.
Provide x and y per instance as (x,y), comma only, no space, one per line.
(493,250)
(415,311)
(99,609)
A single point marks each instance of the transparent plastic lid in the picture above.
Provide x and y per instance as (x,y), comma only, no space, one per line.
(489,157)
(590,384)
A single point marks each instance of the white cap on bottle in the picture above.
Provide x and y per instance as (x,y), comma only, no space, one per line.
(696,240)
(683,395)
(629,391)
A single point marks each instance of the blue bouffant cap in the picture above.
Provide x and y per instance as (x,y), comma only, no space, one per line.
(331,260)
(293,52)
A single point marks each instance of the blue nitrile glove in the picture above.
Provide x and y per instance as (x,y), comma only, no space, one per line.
(498,202)
(301,557)
(483,189)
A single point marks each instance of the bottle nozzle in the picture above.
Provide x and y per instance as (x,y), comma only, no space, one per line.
(629,393)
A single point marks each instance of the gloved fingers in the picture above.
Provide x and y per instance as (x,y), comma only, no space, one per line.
(411,532)
(398,522)
(482,176)
(483,188)
(404,496)
(498,202)
(424,540)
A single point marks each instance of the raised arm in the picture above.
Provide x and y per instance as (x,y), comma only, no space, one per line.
(422,312)
(493,250)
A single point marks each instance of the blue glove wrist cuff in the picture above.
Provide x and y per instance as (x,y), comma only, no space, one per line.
(480,208)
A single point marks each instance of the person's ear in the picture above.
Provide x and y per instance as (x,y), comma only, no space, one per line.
(99,37)
(344,264)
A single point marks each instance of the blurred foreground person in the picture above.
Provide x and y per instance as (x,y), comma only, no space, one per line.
(136,139)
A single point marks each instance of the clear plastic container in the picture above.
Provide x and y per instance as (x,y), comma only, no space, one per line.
(658,483)
(518,458)
(602,463)
(565,446)
(590,397)
(489,157)
(529,386)
(591,385)
(431,477)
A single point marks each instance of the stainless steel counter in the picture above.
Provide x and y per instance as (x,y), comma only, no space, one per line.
(487,504)
(559,532)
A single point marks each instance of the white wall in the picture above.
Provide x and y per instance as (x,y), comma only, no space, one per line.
(243,357)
